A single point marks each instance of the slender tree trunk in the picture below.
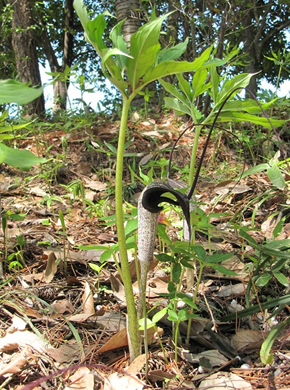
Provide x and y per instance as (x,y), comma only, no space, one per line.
(25,51)
(128,10)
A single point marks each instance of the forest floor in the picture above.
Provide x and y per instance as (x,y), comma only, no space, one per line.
(63,309)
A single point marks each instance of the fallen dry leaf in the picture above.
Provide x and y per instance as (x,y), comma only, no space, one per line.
(88,301)
(224,380)
(81,379)
(248,340)
(22,339)
(51,268)
(117,381)
(119,340)
(17,362)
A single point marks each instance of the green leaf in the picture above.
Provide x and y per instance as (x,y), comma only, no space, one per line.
(218,258)
(257,168)
(178,107)
(160,314)
(118,41)
(12,91)
(172,316)
(176,272)
(182,315)
(144,49)
(265,351)
(276,176)
(244,117)
(168,68)
(200,252)
(278,228)
(113,52)
(198,83)
(249,239)
(174,52)
(263,280)
(174,91)
(281,278)
(19,158)
(222,269)
(233,86)
(284,300)
(184,86)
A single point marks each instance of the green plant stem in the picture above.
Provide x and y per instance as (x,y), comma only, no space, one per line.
(194,300)
(132,326)
(193,155)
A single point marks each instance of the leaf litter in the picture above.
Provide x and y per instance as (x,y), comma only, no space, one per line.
(68,326)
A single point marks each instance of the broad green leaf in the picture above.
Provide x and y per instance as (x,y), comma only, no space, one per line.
(172,316)
(178,107)
(174,91)
(19,158)
(198,83)
(284,300)
(173,53)
(95,30)
(276,177)
(221,269)
(251,241)
(278,228)
(160,314)
(233,86)
(182,314)
(113,52)
(200,252)
(281,278)
(2,155)
(118,41)
(257,168)
(176,272)
(168,68)
(141,43)
(244,117)
(218,257)
(275,244)
(184,86)
(12,91)
(265,351)
(248,105)
(215,82)
(263,280)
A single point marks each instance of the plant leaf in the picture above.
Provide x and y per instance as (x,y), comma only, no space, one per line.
(276,176)
(265,351)
(12,91)
(19,158)
(174,52)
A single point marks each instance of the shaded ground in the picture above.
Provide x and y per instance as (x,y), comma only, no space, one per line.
(63,308)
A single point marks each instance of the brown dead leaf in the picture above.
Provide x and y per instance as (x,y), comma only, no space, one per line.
(17,324)
(67,353)
(214,357)
(117,288)
(95,185)
(61,306)
(248,340)
(81,379)
(231,290)
(17,362)
(224,380)
(51,267)
(117,381)
(119,340)
(137,365)
(24,338)
(88,301)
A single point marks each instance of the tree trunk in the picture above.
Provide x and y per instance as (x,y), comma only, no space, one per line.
(128,10)
(25,51)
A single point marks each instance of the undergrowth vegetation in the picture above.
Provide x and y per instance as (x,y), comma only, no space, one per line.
(213,215)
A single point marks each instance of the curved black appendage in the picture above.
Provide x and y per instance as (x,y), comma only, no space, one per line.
(152,197)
